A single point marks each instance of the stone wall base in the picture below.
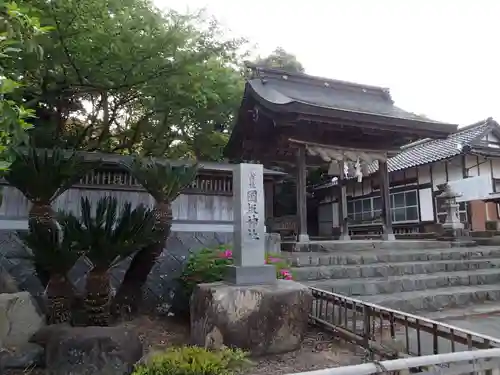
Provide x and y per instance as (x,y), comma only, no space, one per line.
(263,319)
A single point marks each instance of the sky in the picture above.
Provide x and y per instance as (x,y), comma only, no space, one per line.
(440,58)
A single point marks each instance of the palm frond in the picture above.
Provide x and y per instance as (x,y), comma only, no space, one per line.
(112,234)
(55,250)
(42,175)
(162,180)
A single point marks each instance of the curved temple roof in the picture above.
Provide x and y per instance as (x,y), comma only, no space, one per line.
(295,92)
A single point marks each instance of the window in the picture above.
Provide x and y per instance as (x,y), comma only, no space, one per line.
(441,211)
(362,209)
(404,207)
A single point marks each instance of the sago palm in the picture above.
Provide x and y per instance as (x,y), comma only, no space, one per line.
(109,236)
(56,252)
(43,175)
(164,182)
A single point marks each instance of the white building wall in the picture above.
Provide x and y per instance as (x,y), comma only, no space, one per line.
(424,174)
(442,172)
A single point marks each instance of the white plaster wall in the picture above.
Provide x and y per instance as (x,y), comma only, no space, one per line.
(471,165)
(484,167)
(438,174)
(455,169)
(426,205)
(424,174)
(495,162)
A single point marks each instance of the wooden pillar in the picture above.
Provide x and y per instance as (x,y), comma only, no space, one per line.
(342,209)
(268,202)
(387,234)
(302,194)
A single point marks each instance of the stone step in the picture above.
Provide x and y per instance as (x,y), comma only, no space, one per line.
(396,284)
(436,299)
(365,245)
(391,269)
(300,259)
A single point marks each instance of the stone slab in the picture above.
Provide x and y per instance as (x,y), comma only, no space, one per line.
(409,283)
(264,319)
(437,299)
(391,269)
(298,259)
(352,245)
(256,275)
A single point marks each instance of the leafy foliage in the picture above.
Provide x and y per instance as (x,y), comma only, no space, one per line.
(110,235)
(192,360)
(56,251)
(121,76)
(209,265)
(162,180)
(280,59)
(18,32)
(43,175)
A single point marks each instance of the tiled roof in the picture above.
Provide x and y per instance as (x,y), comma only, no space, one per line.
(429,151)
(432,150)
(282,88)
(335,96)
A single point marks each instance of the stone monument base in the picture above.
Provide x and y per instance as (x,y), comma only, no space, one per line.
(263,319)
(251,275)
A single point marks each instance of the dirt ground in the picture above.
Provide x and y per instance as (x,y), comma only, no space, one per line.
(319,350)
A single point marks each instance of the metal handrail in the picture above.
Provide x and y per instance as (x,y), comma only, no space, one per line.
(445,363)
(365,324)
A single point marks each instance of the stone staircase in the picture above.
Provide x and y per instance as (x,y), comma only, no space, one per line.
(418,277)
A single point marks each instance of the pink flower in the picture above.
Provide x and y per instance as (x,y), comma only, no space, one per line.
(286,274)
(227,254)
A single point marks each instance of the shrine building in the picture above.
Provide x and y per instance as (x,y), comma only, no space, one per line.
(298,122)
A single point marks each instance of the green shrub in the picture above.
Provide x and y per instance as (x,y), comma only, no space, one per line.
(192,360)
(210,265)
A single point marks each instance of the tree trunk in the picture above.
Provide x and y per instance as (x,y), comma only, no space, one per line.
(97,299)
(60,298)
(129,294)
(44,216)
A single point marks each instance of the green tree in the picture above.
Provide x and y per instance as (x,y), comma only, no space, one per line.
(42,175)
(280,59)
(121,76)
(164,182)
(18,32)
(108,234)
(56,251)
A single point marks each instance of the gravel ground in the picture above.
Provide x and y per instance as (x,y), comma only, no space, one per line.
(319,350)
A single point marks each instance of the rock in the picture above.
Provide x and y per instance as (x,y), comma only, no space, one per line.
(27,355)
(90,350)
(44,334)
(20,318)
(7,282)
(264,319)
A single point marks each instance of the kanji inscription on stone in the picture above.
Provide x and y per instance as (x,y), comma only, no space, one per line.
(248,185)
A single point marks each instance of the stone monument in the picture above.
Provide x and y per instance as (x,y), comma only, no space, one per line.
(249,244)
(252,309)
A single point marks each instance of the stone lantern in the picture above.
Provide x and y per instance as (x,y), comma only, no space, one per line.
(452,227)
